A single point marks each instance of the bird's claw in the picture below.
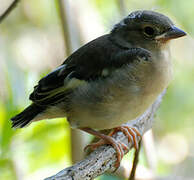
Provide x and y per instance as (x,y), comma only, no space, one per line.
(120,148)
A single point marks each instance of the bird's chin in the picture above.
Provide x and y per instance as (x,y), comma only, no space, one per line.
(163,42)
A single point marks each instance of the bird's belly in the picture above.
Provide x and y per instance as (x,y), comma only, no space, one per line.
(110,109)
(109,115)
(111,102)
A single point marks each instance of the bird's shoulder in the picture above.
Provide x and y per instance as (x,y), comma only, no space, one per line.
(95,54)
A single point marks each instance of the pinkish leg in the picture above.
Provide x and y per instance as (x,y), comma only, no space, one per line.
(106,139)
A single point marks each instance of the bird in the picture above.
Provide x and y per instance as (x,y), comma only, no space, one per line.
(109,81)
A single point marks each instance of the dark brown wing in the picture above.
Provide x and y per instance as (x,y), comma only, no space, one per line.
(83,66)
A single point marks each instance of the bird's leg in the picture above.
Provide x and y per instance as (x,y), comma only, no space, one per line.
(107,139)
(95,145)
(101,142)
(130,132)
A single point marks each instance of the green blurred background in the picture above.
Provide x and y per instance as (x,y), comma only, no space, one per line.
(37,36)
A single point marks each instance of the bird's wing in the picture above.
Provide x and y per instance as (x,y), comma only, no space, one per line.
(88,63)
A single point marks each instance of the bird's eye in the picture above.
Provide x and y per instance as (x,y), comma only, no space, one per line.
(148,31)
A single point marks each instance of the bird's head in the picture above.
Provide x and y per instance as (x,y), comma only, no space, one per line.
(146,29)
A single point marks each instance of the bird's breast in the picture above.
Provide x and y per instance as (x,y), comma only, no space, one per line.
(160,73)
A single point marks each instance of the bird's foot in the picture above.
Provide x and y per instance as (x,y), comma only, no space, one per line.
(131,133)
(119,147)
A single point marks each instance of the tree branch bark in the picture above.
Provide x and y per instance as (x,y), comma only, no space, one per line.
(8,10)
(104,158)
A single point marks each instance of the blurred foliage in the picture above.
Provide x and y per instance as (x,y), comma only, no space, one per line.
(31,44)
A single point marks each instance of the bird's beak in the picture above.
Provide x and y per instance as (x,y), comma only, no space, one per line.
(173,33)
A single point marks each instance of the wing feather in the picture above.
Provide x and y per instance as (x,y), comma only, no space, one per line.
(89,63)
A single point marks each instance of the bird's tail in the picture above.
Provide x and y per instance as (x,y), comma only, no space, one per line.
(26,116)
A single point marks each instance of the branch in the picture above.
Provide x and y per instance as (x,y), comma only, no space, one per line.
(64,16)
(135,162)
(9,9)
(104,158)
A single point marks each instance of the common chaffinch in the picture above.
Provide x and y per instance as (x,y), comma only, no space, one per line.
(108,81)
